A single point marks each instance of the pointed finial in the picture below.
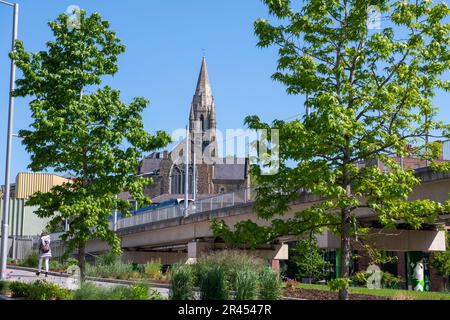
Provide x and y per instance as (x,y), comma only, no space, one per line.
(204,52)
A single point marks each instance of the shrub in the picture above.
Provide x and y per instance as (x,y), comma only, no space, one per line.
(213,283)
(231,262)
(31,260)
(55,265)
(70,262)
(388,280)
(360,278)
(181,282)
(3,286)
(270,285)
(246,284)
(90,291)
(140,268)
(39,290)
(152,269)
(107,259)
(139,292)
(339,284)
(19,289)
(117,270)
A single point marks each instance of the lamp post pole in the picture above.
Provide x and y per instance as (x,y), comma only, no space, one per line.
(12,79)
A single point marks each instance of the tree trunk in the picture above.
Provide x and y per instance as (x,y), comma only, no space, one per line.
(345,247)
(82,260)
(345,226)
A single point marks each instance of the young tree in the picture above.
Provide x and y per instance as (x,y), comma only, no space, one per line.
(310,260)
(83,129)
(370,96)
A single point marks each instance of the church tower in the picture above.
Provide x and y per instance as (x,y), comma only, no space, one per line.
(202,118)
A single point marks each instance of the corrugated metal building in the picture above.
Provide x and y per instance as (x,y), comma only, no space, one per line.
(22,219)
(29,183)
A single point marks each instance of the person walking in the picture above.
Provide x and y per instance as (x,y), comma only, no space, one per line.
(45,252)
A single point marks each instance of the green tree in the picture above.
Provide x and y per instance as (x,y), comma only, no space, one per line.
(370,96)
(83,129)
(309,259)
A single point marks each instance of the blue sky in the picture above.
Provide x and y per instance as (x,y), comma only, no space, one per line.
(164,41)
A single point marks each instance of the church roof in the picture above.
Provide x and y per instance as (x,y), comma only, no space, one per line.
(234,171)
(152,163)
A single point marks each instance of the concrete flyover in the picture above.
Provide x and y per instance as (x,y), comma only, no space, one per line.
(171,236)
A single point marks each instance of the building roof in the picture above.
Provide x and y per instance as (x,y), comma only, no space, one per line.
(152,163)
(235,171)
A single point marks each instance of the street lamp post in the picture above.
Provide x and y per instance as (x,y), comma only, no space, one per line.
(5,217)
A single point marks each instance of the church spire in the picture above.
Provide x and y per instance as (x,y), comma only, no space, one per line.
(202,117)
(203,84)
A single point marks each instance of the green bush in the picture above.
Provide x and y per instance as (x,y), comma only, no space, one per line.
(90,291)
(140,268)
(107,259)
(19,289)
(3,286)
(55,265)
(270,285)
(152,269)
(390,281)
(39,290)
(70,262)
(360,278)
(213,283)
(246,284)
(339,284)
(231,262)
(31,260)
(117,270)
(181,282)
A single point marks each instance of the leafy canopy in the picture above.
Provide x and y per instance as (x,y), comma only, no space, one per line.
(82,129)
(370,93)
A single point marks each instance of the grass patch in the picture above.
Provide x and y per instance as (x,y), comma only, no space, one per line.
(391,293)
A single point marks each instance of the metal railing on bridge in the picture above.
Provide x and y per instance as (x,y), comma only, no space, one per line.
(220,201)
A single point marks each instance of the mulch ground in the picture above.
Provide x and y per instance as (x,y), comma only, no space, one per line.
(311,294)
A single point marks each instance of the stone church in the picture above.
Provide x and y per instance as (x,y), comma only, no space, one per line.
(213,175)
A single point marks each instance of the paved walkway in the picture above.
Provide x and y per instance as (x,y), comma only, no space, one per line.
(29,276)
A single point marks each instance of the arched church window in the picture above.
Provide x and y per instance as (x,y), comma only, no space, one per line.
(178,178)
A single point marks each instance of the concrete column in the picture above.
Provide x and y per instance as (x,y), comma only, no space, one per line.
(276,265)
(195,250)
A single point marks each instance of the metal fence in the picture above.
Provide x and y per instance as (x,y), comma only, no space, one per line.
(213,203)
(20,247)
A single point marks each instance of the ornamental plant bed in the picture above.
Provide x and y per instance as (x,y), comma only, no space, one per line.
(313,294)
